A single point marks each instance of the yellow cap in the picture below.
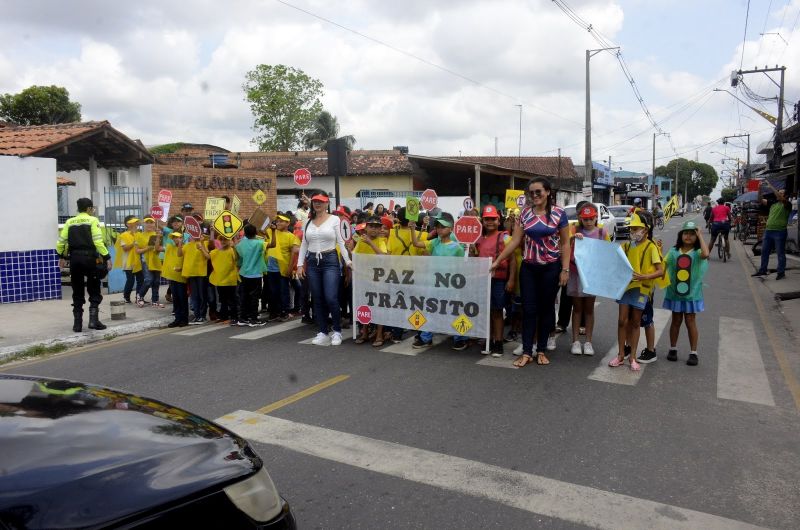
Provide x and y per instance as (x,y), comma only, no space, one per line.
(283,218)
(637,221)
(175,234)
(149,220)
(129,221)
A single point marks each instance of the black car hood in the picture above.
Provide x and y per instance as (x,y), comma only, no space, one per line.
(73,454)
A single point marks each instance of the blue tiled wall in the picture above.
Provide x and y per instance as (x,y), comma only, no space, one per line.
(29,275)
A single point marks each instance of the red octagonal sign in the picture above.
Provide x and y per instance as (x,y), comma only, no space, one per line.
(429,199)
(364,314)
(302,176)
(468,230)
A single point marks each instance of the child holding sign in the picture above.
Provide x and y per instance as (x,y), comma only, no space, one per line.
(372,243)
(687,263)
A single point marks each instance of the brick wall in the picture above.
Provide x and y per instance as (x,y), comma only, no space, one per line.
(195,184)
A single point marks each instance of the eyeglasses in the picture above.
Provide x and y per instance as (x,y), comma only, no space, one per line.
(536,193)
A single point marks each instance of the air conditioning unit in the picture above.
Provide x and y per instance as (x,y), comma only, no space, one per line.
(118,178)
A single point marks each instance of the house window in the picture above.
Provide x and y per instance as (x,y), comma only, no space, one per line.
(63,203)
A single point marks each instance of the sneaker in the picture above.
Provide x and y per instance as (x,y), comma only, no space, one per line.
(581,331)
(460,345)
(759,273)
(322,339)
(518,350)
(242,323)
(307,320)
(336,338)
(511,337)
(551,343)
(576,349)
(693,360)
(256,323)
(497,350)
(174,324)
(419,343)
(559,330)
(263,311)
(647,356)
(672,355)
(627,350)
(780,276)
(234,322)
(197,321)
(284,317)
(588,349)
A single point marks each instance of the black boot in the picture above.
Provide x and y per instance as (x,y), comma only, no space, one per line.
(94,322)
(77,326)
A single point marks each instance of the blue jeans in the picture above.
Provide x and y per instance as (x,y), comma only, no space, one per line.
(323,280)
(199,287)
(278,294)
(427,336)
(131,278)
(538,286)
(773,239)
(152,279)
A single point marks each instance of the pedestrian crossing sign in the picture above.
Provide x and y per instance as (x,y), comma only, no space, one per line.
(259,197)
(462,324)
(417,319)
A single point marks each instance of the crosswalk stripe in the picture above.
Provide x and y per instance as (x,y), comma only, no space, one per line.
(199,330)
(582,505)
(740,370)
(269,330)
(406,346)
(506,361)
(622,375)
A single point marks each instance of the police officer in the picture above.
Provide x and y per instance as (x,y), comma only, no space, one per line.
(81,242)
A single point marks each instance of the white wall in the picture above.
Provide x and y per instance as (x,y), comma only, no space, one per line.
(30,209)
(138,177)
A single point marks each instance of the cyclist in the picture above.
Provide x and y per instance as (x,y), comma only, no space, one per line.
(707,215)
(720,224)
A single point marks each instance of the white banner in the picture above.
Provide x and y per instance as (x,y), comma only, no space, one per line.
(426,293)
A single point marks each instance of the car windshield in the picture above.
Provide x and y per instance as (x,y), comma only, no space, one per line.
(571,213)
(619,211)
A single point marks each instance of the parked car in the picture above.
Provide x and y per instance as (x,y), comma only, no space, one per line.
(623,218)
(77,455)
(606,219)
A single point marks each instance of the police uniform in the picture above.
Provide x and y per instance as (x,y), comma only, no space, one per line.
(81,242)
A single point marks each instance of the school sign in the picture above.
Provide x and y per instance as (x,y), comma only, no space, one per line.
(436,294)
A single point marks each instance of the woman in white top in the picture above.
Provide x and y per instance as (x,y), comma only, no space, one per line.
(319,262)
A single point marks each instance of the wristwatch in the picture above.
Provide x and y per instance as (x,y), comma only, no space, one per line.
(564,270)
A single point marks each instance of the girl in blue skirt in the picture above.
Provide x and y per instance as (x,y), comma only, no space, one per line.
(687,263)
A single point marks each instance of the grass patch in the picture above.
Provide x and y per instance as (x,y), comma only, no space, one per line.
(38,350)
(110,336)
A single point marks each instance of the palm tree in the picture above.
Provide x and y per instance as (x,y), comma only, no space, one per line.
(325,129)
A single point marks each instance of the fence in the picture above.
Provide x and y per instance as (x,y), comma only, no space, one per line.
(119,203)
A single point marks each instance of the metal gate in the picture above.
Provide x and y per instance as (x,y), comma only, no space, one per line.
(120,202)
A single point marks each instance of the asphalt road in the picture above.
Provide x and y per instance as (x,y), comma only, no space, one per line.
(444,439)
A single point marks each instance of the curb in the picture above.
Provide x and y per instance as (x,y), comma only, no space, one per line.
(89,337)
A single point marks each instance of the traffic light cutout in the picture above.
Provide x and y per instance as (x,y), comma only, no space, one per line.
(227,225)
(684,274)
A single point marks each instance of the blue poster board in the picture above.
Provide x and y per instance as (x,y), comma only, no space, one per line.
(116,277)
(603,268)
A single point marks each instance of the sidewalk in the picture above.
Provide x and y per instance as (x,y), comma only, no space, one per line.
(786,292)
(47,323)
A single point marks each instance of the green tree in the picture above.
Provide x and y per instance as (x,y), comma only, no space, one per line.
(39,105)
(701,178)
(728,194)
(326,128)
(284,102)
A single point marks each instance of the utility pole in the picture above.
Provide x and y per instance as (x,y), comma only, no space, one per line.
(519,151)
(588,176)
(740,185)
(653,175)
(777,145)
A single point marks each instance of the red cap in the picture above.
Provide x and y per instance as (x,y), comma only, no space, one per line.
(490,211)
(341,211)
(360,227)
(587,212)
(387,221)
(320,197)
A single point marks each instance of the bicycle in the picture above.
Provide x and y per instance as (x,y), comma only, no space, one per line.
(722,248)
(660,223)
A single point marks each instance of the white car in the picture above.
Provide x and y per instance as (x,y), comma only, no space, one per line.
(607,218)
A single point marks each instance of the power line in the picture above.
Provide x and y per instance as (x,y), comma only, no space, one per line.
(744,38)
(427,62)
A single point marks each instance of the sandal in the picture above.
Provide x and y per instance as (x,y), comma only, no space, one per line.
(139,302)
(377,344)
(360,340)
(616,361)
(157,304)
(542,360)
(523,360)
(635,366)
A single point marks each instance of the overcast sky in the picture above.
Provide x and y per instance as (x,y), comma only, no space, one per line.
(165,71)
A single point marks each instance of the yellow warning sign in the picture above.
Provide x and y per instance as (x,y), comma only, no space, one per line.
(227,225)
(417,319)
(462,324)
(259,197)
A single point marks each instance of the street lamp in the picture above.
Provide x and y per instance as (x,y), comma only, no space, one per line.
(653,176)
(587,179)
(747,167)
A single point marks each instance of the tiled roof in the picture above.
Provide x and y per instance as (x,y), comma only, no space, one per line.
(61,181)
(285,164)
(546,166)
(28,140)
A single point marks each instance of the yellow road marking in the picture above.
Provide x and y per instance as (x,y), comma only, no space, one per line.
(91,347)
(780,355)
(302,394)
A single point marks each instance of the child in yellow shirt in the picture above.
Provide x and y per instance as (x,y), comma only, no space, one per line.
(225,277)
(371,242)
(126,258)
(148,246)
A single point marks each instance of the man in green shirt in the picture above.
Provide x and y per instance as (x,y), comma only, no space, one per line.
(81,242)
(775,235)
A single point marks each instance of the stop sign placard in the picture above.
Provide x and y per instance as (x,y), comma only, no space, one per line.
(364,314)
(429,199)
(192,227)
(157,212)
(165,196)
(302,177)
(468,230)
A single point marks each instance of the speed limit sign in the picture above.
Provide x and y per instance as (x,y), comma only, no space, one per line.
(346,229)
(469,204)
